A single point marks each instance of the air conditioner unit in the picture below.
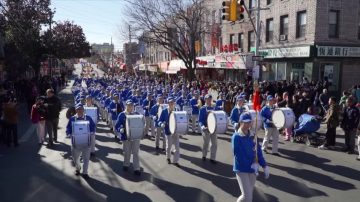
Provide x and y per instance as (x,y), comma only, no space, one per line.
(283,37)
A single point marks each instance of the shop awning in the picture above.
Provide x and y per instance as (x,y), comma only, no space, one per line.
(142,67)
(163,66)
(152,67)
(176,65)
(171,72)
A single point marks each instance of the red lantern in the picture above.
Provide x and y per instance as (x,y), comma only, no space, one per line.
(236,47)
(225,48)
(231,48)
(221,49)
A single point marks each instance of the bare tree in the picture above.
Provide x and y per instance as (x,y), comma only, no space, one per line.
(176,25)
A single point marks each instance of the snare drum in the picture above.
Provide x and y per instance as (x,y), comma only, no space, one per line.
(178,122)
(135,125)
(283,118)
(161,108)
(92,112)
(81,134)
(188,110)
(217,122)
(139,110)
(259,123)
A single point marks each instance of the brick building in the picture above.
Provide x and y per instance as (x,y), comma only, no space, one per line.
(304,38)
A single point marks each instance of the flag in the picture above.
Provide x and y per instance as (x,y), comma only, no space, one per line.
(256,99)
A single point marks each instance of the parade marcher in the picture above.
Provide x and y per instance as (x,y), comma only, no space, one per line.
(171,139)
(219,104)
(38,113)
(247,158)
(270,130)
(130,147)
(53,105)
(159,131)
(349,124)
(207,137)
(195,103)
(237,111)
(89,103)
(147,104)
(84,151)
(332,121)
(115,108)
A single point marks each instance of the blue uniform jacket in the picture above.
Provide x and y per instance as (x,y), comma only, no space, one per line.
(154,113)
(146,107)
(203,113)
(107,103)
(76,118)
(219,104)
(181,102)
(244,155)
(120,124)
(195,108)
(164,119)
(235,114)
(266,113)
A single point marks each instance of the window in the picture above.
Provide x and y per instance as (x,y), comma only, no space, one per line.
(252,4)
(241,41)
(333,24)
(232,38)
(269,29)
(284,25)
(268,2)
(251,39)
(301,24)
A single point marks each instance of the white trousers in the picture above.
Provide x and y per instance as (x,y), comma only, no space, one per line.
(274,134)
(93,139)
(159,134)
(40,130)
(131,147)
(112,125)
(149,123)
(194,124)
(213,148)
(247,183)
(173,140)
(85,153)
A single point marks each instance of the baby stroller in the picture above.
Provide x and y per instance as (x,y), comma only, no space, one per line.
(305,130)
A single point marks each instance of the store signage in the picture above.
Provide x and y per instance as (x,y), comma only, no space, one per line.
(294,52)
(337,51)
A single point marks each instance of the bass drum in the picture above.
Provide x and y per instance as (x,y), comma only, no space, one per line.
(259,122)
(161,108)
(139,110)
(283,118)
(217,122)
(188,110)
(178,122)
(81,134)
(135,125)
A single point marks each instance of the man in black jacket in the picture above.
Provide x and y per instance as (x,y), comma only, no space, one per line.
(53,105)
(349,124)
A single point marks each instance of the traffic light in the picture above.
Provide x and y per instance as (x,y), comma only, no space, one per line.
(229,10)
(240,10)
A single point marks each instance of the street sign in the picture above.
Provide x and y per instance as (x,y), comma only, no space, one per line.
(257,58)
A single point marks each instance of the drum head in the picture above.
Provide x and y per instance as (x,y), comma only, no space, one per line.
(211,120)
(278,118)
(172,123)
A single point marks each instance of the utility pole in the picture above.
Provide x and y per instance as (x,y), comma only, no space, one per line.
(258,35)
(51,44)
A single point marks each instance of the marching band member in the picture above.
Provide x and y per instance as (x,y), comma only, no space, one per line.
(171,139)
(116,107)
(77,151)
(203,114)
(89,103)
(247,158)
(147,104)
(270,129)
(195,104)
(159,132)
(129,146)
(181,100)
(237,111)
(219,104)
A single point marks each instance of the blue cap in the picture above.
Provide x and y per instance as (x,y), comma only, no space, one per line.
(79,106)
(116,94)
(159,96)
(171,99)
(129,102)
(207,96)
(269,97)
(240,98)
(88,96)
(245,117)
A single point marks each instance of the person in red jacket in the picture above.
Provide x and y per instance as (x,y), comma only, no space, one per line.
(38,112)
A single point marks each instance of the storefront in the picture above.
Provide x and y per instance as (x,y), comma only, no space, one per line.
(234,67)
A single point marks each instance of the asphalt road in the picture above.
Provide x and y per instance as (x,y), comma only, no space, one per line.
(39,174)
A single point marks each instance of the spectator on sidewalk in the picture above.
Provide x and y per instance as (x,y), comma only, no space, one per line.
(349,124)
(53,105)
(332,122)
(38,113)
(10,120)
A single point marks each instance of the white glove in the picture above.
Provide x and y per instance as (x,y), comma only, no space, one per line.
(236,125)
(266,172)
(122,130)
(162,125)
(255,167)
(154,118)
(268,121)
(203,128)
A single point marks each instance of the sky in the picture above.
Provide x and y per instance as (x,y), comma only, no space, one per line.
(101,20)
